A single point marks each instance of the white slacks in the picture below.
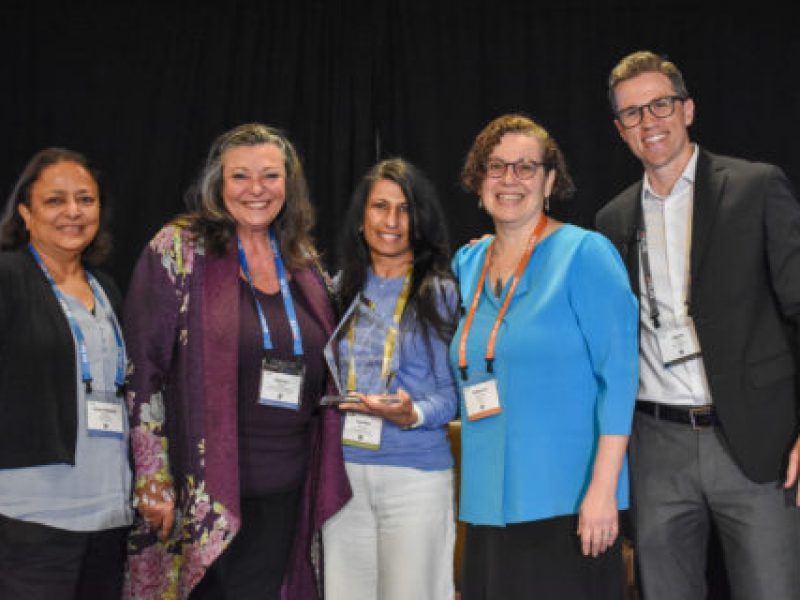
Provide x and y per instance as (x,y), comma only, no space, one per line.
(394,540)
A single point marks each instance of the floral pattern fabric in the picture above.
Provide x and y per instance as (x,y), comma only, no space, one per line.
(181,310)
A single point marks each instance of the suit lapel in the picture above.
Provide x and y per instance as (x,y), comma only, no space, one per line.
(632,255)
(708,188)
(627,243)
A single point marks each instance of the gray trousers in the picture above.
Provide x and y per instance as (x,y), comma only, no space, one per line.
(681,481)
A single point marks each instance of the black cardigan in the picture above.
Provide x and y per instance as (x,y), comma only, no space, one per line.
(38,409)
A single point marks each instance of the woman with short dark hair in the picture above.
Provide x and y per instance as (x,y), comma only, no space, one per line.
(65,479)
(547,363)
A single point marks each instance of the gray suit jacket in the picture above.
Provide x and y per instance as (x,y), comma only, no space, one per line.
(744,299)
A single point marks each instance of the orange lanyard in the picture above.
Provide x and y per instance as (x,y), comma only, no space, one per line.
(476,297)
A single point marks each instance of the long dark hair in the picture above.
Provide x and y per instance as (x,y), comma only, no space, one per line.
(429,244)
(212,221)
(14,234)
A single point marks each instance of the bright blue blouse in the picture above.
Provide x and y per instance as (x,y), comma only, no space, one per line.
(566,363)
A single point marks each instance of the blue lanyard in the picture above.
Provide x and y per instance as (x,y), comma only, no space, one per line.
(285,293)
(83,353)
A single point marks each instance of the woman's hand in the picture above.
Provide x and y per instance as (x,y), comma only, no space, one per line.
(397,408)
(155,501)
(598,520)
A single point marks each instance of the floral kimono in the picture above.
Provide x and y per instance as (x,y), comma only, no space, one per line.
(181,328)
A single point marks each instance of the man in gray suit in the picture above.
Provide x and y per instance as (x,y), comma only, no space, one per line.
(712,246)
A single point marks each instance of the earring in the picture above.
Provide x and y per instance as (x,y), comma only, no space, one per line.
(547,204)
(480,202)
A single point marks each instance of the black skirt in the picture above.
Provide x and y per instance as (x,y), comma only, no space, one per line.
(538,560)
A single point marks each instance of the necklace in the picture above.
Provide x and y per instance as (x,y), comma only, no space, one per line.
(498,287)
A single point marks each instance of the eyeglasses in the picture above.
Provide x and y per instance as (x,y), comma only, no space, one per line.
(522,169)
(661,108)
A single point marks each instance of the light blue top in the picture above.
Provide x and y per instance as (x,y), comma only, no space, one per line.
(423,372)
(566,365)
(95,493)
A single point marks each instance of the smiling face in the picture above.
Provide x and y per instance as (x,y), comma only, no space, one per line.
(64,212)
(662,145)
(253,185)
(513,201)
(386,224)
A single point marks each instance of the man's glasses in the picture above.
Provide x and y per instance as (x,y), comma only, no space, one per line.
(661,108)
(523,169)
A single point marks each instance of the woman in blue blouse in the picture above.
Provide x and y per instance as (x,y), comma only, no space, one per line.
(394,539)
(546,361)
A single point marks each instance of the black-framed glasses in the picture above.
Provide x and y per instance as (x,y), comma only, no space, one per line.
(522,169)
(660,108)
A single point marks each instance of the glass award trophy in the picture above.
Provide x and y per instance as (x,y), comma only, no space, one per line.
(362,351)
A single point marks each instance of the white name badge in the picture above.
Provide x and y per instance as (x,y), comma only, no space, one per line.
(677,345)
(104,415)
(481,399)
(280,389)
(362,431)
(281,383)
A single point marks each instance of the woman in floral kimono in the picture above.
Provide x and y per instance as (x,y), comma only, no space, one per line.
(237,467)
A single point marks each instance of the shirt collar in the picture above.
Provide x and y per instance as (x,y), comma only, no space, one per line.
(685,180)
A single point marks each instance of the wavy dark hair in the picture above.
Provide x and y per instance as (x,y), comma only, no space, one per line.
(429,244)
(211,220)
(14,234)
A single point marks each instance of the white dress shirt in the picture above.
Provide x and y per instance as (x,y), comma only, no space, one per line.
(668,221)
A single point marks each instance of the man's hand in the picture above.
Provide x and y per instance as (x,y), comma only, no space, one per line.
(792,470)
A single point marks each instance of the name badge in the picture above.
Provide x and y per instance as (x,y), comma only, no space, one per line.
(481,399)
(105,415)
(677,345)
(362,431)
(281,383)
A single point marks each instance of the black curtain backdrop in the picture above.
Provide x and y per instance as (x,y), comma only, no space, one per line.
(142,88)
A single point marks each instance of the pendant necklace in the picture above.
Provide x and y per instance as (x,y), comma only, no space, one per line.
(498,287)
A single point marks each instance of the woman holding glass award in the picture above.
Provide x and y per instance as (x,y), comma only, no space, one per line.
(395,538)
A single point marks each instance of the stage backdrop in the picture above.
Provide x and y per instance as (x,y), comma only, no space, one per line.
(142,88)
